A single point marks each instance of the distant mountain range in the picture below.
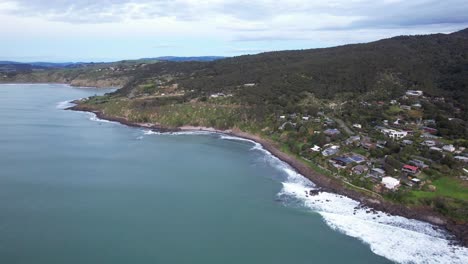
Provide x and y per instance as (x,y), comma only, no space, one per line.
(175,58)
(26,67)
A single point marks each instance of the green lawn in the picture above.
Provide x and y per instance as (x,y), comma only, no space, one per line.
(446,186)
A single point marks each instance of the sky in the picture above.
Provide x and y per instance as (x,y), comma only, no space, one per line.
(109,30)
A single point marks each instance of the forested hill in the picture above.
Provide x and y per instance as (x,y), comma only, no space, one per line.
(436,64)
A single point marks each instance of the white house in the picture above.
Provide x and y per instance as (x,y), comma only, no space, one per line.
(390,182)
(435,149)
(316,148)
(461,158)
(394,133)
(357,126)
(414,93)
(449,148)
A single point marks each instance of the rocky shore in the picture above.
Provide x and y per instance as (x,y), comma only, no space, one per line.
(326,183)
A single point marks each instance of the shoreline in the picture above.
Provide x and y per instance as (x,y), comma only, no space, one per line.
(323,182)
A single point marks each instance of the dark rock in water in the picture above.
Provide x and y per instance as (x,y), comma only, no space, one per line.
(313,192)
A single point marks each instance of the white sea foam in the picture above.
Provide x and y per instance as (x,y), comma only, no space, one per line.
(179,133)
(93,117)
(65,104)
(396,238)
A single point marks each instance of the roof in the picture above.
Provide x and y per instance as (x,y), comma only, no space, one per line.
(332,131)
(343,159)
(390,182)
(409,167)
(378,170)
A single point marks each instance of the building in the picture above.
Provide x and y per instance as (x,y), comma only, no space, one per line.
(359,169)
(407,142)
(376,173)
(429,130)
(330,151)
(394,134)
(316,148)
(368,145)
(390,183)
(429,143)
(331,132)
(359,126)
(353,140)
(357,158)
(410,169)
(435,149)
(448,148)
(405,107)
(342,161)
(418,163)
(414,93)
(461,158)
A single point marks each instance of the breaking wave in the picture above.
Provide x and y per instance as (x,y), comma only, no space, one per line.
(394,237)
(93,117)
(179,133)
(65,104)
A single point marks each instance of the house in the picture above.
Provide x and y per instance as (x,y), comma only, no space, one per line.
(448,148)
(352,140)
(418,163)
(331,132)
(405,107)
(407,142)
(428,135)
(216,95)
(329,122)
(359,169)
(410,169)
(315,148)
(359,126)
(390,183)
(429,122)
(461,158)
(393,102)
(342,161)
(357,158)
(428,143)
(429,130)
(332,150)
(435,149)
(394,134)
(414,93)
(416,105)
(368,145)
(282,117)
(416,181)
(376,173)
(249,84)
(306,118)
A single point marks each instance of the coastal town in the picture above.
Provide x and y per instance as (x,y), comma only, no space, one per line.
(405,152)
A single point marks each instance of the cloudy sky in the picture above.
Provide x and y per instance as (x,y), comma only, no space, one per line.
(95,30)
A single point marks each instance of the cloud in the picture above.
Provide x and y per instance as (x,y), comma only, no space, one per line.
(267,24)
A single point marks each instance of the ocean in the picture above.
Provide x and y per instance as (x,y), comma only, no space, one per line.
(77,189)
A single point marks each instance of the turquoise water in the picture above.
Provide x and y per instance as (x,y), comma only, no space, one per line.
(73,190)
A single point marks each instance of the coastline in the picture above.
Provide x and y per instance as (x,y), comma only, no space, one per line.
(325,183)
